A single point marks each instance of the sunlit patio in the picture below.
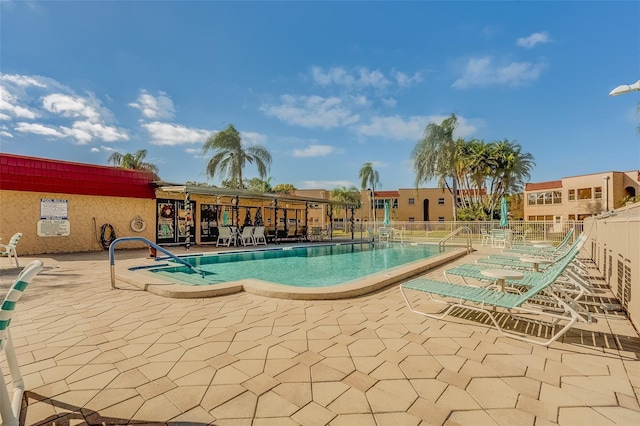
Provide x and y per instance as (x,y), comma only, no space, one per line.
(93,355)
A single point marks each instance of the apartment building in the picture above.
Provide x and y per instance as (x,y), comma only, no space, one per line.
(405,204)
(578,197)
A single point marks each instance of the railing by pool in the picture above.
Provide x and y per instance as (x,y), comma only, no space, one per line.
(112,256)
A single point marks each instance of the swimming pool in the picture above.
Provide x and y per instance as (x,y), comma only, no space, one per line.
(309,266)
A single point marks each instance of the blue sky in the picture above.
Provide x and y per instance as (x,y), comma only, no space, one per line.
(324,86)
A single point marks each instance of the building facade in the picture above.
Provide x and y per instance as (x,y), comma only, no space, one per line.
(578,197)
(405,205)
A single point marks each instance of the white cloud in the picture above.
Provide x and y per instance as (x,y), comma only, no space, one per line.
(175,134)
(94,149)
(390,102)
(362,78)
(338,76)
(9,103)
(60,113)
(311,111)
(154,107)
(483,72)
(39,129)
(393,127)
(410,129)
(533,39)
(4,131)
(70,106)
(253,138)
(327,184)
(404,80)
(85,131)
(21,80)
(106,148)
(313,151)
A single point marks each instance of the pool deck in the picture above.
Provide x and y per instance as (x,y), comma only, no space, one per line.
(93,355)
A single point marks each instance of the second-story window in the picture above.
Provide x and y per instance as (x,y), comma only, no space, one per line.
(440,200)
(412,201)
(572,195)
(597,192)
(584,194)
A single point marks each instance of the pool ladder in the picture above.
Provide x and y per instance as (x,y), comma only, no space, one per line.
(112,256)
(469,246)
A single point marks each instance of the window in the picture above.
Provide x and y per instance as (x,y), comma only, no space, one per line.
(597,192)
(572,217)
(412,201)
(584,194)
(540,217)
(541,198)
(412,219)
(572,195)
(394,203)
(440,200)
(440,218)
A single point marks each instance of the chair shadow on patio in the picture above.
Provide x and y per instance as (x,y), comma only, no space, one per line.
(543,329)
(83,416)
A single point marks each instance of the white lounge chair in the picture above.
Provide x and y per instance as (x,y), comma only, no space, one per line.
(10,408)
(9,250)
(225,236)
(258,236)
(246,237)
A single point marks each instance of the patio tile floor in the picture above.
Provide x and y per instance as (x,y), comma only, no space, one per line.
(93,355)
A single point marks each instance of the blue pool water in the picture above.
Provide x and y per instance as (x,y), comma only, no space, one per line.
(312,266)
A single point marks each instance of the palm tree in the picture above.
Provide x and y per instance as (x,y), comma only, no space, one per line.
(345,195)
(370,177)
(133,161)
(436,155)
(230,157)
(512,169)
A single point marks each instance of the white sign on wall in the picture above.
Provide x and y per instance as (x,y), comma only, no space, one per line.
(54,228)
(53,209)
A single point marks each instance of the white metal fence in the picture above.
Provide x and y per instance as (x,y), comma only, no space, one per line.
(530,230)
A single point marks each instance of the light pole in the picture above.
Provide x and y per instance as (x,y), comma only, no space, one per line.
(625,88)
(606,193)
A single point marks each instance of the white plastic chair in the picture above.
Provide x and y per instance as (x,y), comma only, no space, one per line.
(225,236)
(10,409)
(9,250)
(258,236)
(486,238)
(246,238)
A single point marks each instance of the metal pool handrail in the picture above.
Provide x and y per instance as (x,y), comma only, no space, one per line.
(112,257)
(453,234)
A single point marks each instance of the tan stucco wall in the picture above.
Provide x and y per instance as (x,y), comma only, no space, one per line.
(20,212)
(614,244)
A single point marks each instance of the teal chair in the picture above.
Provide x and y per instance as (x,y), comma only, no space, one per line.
(540,299)
(10,409)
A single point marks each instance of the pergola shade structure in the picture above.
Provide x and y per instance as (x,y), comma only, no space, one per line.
(280,212)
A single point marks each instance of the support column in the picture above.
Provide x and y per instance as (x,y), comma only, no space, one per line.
(352,220)
(275,221)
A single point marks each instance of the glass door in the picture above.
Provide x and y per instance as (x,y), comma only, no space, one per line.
(171,217)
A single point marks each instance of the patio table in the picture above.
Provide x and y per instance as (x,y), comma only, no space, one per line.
(536,261)
(501,275)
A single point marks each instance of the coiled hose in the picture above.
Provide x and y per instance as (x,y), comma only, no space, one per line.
(105,241)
